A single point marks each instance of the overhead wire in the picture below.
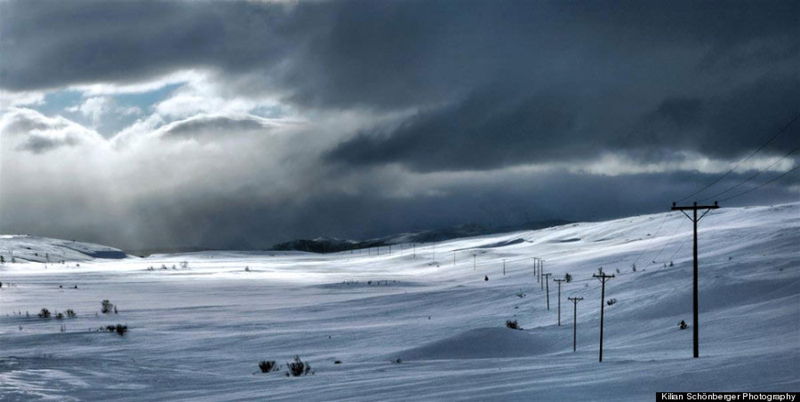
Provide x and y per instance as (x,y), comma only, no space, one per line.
(717,180)
(753,176)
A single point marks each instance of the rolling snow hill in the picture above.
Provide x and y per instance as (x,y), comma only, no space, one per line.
(24,248)
(199,323)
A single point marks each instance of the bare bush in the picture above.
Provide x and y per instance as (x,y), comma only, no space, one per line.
(298,368)
(267,366)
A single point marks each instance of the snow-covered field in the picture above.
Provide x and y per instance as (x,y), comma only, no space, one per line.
(198,332)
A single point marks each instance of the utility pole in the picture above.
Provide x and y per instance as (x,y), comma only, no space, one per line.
(504,267)
(603,278)
(575,301)
(535,268)
(559,298)
(454,258)
(547,283)
(415,250)
(541,269)
(473,262)
(541,282)
(695,219)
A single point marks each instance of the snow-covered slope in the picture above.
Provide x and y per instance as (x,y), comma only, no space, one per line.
(199,323)
(24,248)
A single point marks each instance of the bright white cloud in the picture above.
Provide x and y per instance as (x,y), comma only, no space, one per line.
(11,99)
(93,108)
(30,131)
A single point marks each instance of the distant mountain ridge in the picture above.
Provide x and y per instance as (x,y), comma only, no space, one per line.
(334,245)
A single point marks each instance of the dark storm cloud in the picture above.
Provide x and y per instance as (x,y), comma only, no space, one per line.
(338,54)
(477,85)
(487,131)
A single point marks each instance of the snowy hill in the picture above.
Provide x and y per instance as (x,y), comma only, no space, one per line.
(24,248)
(199,323)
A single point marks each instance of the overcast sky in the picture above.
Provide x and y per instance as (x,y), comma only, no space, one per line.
(243,124)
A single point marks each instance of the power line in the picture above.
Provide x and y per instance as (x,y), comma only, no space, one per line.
(751,177)
(679,248)
(762,184)
(651,239)
(669,241)
(743,160)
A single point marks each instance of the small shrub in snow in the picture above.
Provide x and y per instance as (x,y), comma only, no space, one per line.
(512,324)
(611,302)
(397,361)
(184,264)
(633,267)
(119,329)
(520,294)
(671,264)
(71,313)
(59,316)
(298,367)
(267,366)
(106,307)
(568,277)
(45,313)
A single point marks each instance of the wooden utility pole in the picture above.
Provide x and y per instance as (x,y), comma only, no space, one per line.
(559,298)
(603,278)
(504,267)
(695,219)
(415,250)
(541,282)
(541,269)
(536,268)
(545,277)
(575,301)
(473,262)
